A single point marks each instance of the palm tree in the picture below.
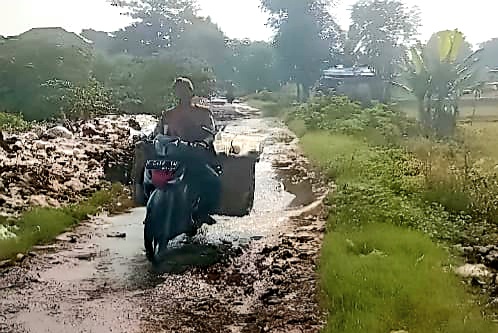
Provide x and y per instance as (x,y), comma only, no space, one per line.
(417,81)
(436,75)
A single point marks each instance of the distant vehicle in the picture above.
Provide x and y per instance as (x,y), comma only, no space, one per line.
(217,100)
(333,78)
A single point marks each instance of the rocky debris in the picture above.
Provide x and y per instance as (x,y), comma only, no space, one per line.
(132,123)
(5,263)
(89,130)
(116,235)
(469,270)
(224,113)
(289,267)
(82,255)
(45,247)
(58,166)
(58,132)
(67,237)
(464,250)
(20,257)
(481,272)
(485,255)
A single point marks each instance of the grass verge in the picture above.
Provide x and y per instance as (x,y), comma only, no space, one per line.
(384,278)
(380,268)
(41,225)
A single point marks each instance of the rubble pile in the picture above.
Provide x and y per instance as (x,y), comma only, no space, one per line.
(59,165)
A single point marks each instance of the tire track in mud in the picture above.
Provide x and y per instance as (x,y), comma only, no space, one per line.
(251,274)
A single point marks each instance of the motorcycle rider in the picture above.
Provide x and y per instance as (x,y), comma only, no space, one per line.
(186,121)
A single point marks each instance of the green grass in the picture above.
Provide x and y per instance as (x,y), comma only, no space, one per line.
(41,225)
(386,278)
(297,126)
(380,268)
(338,155)
(486,108)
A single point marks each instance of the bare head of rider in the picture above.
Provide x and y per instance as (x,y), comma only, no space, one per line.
(184,90)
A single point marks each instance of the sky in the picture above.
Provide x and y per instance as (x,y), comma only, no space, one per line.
(238,18)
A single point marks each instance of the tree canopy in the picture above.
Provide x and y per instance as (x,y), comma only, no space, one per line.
(378,36)
(135,66)
(307,38)
(31,59)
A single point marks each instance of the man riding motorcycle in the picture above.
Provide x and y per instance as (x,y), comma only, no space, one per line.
(186,119)
(191,122)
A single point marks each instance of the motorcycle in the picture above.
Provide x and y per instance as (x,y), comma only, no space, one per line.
(172,190)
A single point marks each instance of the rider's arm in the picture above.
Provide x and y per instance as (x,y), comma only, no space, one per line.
(208,122)
(160,125)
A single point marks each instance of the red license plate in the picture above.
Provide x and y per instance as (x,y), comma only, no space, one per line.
(160,178)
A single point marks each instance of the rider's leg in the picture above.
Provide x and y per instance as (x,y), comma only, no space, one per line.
(209,191)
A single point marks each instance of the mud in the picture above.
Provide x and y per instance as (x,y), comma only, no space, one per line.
(251,274)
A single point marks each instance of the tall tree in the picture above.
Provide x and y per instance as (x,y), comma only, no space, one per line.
(173,27)
(203,40)
(307,38)
(378,35)
(159,25)
(489,58)
(34,57)
(252,65)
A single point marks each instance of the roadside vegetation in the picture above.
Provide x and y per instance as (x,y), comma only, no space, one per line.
(41,225)
(11,122)
(273,104)
(401,200)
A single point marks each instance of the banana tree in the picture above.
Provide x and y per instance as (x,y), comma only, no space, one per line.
(418,81)
(437,73)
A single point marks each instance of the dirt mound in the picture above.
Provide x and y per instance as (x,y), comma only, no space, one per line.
(58,165)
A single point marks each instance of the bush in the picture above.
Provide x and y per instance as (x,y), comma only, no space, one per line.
(339,114)
(378,184)
(81,102)
(12,122)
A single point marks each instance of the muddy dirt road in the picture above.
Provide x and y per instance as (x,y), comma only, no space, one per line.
(251,274)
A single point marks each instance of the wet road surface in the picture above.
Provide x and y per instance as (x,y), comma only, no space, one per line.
(250,274)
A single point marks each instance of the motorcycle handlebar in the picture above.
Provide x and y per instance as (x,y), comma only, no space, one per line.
(204,144)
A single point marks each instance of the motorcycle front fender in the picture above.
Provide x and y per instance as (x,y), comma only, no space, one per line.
(169,213)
